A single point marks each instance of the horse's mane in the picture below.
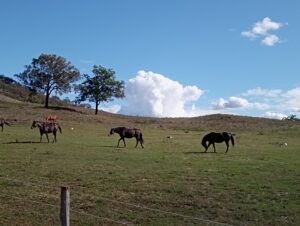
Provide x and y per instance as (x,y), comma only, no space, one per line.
(119,129)
(43,123)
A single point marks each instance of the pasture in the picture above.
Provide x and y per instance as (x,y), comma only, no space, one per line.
(169,182)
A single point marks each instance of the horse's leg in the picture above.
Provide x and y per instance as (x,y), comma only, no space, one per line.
(47,137)
(137,141)
(41,136)
(54,139)
(227,145)
(141,142)
(214,146)
(119,141)
(124,142)
(2,128)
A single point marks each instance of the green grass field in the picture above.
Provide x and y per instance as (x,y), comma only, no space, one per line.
(169,182)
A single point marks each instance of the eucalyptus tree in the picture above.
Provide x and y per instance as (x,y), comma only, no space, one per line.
(49,73)
(101,87)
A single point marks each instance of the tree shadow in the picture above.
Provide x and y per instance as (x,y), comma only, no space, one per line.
(59,108)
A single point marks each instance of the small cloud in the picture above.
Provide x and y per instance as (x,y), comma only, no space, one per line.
(112,109)
(232,102)
(287,102)
(249,34)
(274,115)
(293,98)
(270,40)
(262,29)
(296,109)
(237,102)
(263,92)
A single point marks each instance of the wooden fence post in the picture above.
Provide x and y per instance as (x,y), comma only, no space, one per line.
(65,206)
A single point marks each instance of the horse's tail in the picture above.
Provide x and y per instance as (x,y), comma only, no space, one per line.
(232,140)
(141,138)
(203,142)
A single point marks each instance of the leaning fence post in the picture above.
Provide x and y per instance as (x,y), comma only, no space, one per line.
(65,206)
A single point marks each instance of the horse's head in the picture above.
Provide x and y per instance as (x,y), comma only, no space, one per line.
(33,125)
(204,144)
(111,132)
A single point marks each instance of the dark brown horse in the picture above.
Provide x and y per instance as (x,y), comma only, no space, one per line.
(3,122)
(128,133)
(213,138)
(47,127)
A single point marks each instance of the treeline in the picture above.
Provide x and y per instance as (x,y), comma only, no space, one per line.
(50,74)
(291,118)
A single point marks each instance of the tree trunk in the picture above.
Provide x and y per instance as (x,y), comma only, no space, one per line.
(96,110)
(47,101)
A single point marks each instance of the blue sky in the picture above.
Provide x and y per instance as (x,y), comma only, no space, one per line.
(177,57)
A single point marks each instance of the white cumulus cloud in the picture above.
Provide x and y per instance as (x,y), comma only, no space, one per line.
(152,94)
(237,102)
(285,102)
(262,29)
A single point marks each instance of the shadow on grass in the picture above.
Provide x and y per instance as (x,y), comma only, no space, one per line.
(198,152)
(24,142)
(107,146)
(111,146)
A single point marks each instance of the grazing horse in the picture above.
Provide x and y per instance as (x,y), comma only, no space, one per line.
(128,133)
(213,138)
(47,127)
(2,123)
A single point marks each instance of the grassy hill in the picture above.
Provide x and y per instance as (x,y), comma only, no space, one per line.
(170,182)
(14,92)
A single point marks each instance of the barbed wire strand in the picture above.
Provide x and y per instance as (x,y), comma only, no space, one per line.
(29,200)
(158,211)
(47,185)
(29,183)
(72,209)
(52,216)
(100,218)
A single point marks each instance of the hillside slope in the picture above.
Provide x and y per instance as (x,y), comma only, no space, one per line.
(19,104)
(26,112)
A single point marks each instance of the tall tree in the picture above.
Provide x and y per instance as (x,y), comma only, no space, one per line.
(100,88)
(49,73)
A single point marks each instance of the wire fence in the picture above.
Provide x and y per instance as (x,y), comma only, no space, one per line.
(52,202)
